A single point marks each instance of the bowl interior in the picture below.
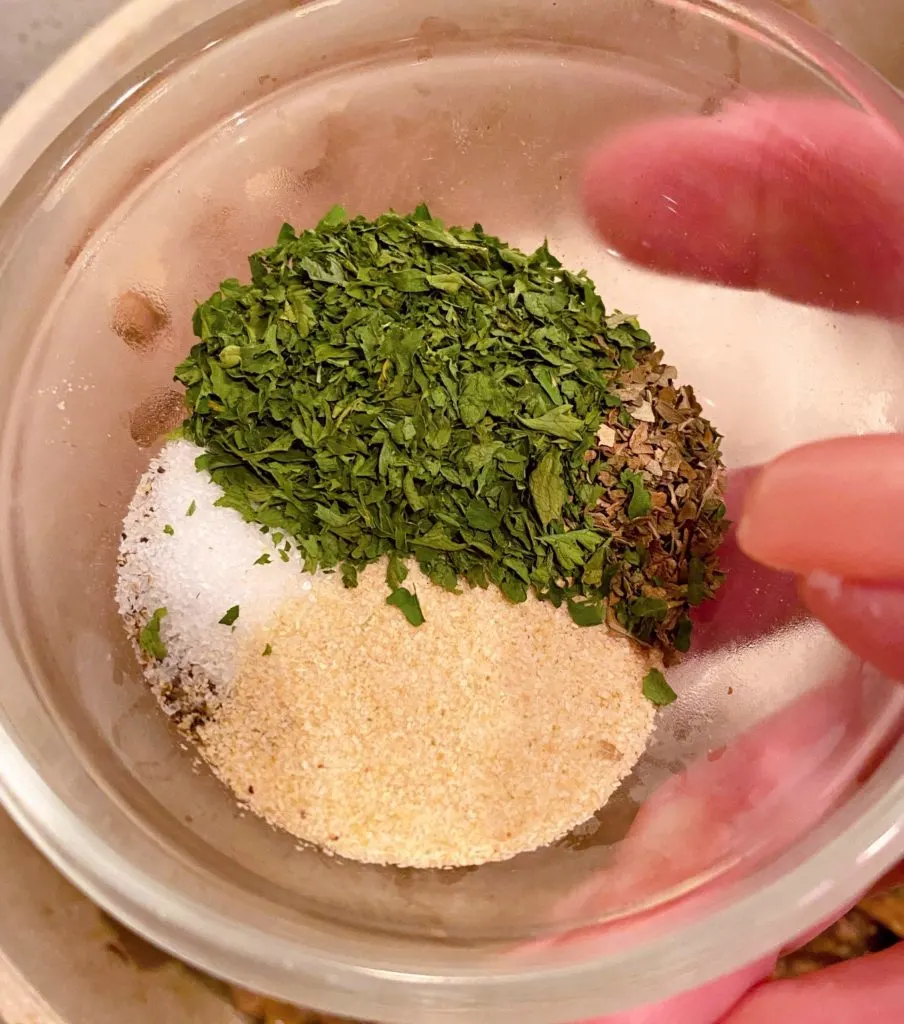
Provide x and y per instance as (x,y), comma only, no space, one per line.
(487,114)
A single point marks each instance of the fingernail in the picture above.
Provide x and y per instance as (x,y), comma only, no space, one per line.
(835,507)
(827,584)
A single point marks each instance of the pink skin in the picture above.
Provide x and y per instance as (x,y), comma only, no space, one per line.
(863,990)
(802,198)
(772,784)
(795,196)
(739,614)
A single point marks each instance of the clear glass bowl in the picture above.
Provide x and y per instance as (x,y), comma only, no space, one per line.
(154,157)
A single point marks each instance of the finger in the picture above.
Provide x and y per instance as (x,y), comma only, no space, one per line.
(754,600)
(868,618)
(799,197)
(834,507)
(716,812)
(770,784)
(705,1005)
(871,989)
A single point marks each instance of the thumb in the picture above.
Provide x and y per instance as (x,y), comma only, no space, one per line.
(799,197)
(833,513)
(871,989)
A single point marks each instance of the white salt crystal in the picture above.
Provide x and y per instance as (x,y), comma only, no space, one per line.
(197,572)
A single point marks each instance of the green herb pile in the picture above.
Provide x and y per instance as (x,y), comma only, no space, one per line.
(398,388)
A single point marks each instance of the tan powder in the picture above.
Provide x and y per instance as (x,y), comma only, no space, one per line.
(490,730)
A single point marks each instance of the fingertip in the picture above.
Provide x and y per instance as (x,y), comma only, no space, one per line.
(830,506)
(650,192)
(799,197)
(865,617)
(868,988)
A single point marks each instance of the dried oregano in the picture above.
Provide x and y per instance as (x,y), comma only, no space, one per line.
(396,388)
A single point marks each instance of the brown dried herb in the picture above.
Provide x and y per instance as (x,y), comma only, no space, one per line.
(658,462)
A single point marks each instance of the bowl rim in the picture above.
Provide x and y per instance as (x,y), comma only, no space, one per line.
(791,900)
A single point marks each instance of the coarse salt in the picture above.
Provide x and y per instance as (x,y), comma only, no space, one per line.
(205,566)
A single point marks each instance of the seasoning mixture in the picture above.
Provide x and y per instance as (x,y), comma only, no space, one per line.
(434,525)
(490,729)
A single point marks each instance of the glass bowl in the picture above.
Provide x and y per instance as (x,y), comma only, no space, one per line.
(153,158)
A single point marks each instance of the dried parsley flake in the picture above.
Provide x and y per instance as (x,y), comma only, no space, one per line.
(657,689)
(230,616)
(149,638)
(398,388)
(408,603)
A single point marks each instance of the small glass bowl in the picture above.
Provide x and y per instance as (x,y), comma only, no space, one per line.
(158,153)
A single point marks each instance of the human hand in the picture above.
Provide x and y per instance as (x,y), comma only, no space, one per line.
(801,198)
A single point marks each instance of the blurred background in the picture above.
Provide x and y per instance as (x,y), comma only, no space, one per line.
(34,32)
